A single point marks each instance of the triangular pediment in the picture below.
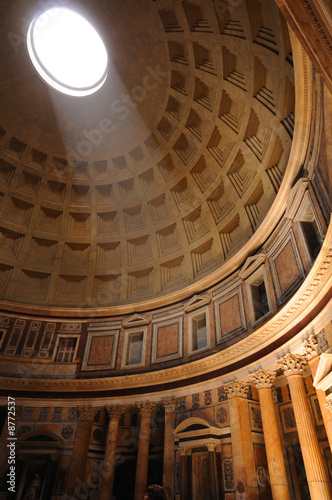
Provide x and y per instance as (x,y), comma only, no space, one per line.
(251,264)
(295,197)
(136,320)
(197,301)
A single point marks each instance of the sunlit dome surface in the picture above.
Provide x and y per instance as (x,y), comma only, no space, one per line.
(67,52)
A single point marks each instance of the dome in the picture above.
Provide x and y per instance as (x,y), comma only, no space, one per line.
(166,253)
(162,178)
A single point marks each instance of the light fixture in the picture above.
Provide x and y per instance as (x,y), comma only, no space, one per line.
(67,52)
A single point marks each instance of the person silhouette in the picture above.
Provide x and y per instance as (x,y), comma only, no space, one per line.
(155,492)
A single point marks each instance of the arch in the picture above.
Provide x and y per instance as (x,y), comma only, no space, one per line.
(185,424)
(32,436)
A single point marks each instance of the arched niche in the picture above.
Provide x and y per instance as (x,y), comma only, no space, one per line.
(38,456)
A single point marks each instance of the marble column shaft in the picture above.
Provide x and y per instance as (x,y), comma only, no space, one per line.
(263,380)
(169,464)
(243,453)
(316,473)
(146,411)
(114,414)
(212,471)
(80,450)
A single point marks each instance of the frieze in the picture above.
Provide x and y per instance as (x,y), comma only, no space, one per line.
(181,403)
(195,400)
(207,398)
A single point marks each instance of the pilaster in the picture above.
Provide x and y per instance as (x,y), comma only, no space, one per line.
(243,453)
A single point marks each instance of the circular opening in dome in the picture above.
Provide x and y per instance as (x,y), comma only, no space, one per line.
(67,52)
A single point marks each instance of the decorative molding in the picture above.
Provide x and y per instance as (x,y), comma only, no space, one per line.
(292,364)
(263,379)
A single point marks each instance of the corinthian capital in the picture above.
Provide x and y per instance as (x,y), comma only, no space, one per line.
(146,409)
(311,347)
(263,379)
(169,404)
(87,413)
(292,364)
(115,411)
(237,389)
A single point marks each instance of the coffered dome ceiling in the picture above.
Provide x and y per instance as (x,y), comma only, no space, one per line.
(164,174)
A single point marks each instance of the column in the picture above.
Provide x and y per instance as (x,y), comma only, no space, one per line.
(114,414)
(186,487)
(219,471)
(212,470)
(312,351)
(168,468)
(263,381)
(292,366)
(75,484)
(243,452)
(146,410)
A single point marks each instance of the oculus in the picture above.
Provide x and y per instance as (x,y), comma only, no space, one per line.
(67,52)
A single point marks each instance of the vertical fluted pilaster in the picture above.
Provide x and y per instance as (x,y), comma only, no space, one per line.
(263,380)
(146,410)
(80,450)
(292,365)
(186,487)
(168,469)
(243,454)
(114,414)
(212,470)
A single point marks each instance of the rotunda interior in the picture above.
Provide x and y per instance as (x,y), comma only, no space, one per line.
(166,254)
